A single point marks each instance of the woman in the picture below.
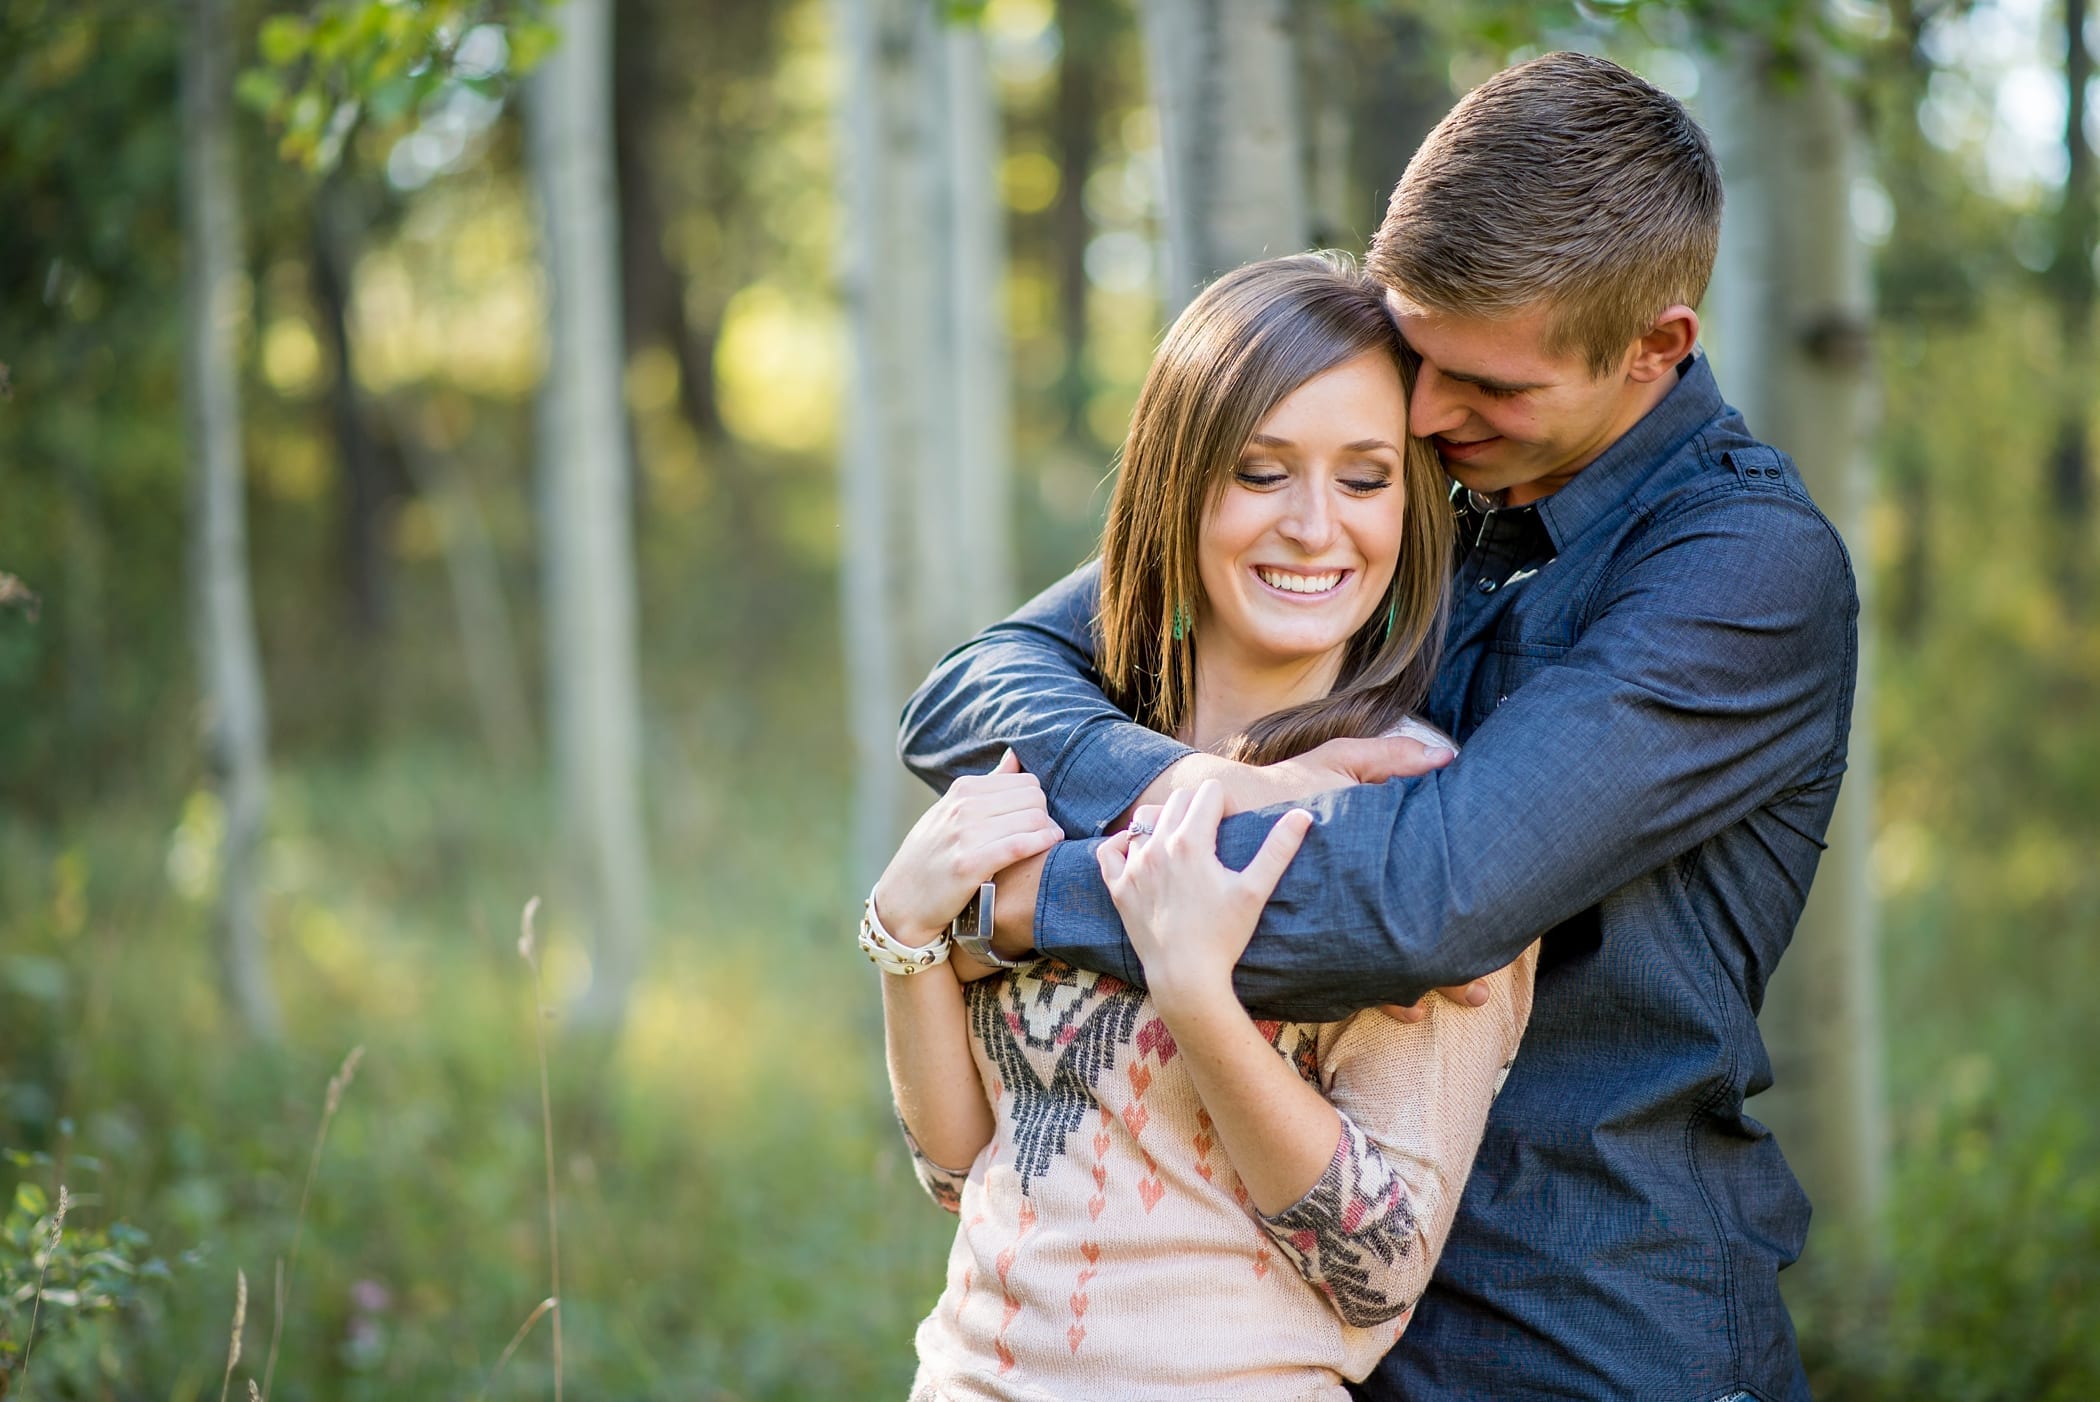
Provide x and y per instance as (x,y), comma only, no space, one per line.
(1162,1196)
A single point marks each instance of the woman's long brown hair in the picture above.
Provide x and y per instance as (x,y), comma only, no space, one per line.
(1239,349)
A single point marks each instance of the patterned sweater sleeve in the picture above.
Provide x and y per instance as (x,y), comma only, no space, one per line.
(943,1185)
(1413,1100)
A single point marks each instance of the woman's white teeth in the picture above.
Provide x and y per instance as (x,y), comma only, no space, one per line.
(1299,583)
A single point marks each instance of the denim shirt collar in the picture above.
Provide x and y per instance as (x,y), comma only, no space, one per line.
(1644,449)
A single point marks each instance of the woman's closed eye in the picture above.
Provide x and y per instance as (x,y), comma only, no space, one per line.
(1259,474)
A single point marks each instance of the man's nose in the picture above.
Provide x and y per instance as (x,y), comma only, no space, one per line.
(1434,407)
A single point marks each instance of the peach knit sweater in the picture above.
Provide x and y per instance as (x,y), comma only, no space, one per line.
(1107,1248)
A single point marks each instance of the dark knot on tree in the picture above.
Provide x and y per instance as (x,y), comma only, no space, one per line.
(1838,340)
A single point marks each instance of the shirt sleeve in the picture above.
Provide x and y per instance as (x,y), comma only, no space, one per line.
(1714,674)
(1413,1100)
(1029,683)
(943,1185)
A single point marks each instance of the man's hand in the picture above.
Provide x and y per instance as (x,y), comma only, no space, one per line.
(1334,765)
(1471,995)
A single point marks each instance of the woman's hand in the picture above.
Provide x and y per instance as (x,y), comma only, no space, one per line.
(982,825)
(1188,915)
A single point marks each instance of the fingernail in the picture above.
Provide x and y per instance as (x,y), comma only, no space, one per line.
(1438,754)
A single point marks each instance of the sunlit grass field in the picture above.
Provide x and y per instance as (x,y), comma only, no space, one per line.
(738,1217)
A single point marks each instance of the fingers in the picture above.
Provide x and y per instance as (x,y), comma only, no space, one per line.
(1387,757)
(1007,775)
(1277,849)
(1465,995)
(1170,816)
(1113,855)
(995,803)
(991,828)
(1205,811)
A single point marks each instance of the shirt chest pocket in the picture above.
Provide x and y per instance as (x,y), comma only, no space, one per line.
(1506,666)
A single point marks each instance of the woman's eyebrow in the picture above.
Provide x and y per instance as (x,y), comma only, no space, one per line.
(1361,445)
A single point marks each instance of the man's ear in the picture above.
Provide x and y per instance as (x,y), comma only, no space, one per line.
(1664,345)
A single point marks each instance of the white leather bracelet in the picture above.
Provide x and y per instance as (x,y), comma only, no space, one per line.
(891,955)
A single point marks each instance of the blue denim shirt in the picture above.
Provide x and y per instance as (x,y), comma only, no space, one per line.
(1652,674)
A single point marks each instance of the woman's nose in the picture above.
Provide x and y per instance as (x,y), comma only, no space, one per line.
(1308,520)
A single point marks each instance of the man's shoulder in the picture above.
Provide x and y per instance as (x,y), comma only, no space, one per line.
(1725,491)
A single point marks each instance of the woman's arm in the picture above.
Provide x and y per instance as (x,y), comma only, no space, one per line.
(1358,1185)
(1189,918)
(983,823)
(1413,1100)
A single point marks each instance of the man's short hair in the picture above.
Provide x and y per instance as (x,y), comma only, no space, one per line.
(1568,182)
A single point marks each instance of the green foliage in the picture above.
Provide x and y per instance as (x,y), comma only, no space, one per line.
(341,62)
(70,1280)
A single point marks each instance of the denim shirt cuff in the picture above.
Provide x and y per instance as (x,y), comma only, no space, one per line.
(1076,921)
(1101,779)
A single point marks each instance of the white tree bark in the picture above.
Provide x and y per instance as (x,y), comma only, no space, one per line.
(926,456)
(1224,77)
(222,609)
(1791,305)
(586,484)
(979,395)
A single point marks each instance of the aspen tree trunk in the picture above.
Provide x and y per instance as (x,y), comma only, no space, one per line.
(1792,308)
(2073,277)
(925,461)
(336,226)
(1224,77)
(877,428)
(1076,140)
(587,525)
(1333,213)
(223,613)
(978,395)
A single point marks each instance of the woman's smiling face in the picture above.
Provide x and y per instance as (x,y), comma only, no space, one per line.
(1298,550)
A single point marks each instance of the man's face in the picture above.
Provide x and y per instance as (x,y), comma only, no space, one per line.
(1503,413)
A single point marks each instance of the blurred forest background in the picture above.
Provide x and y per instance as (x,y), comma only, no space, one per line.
(455,450)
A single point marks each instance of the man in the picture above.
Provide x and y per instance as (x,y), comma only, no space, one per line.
(1650,665)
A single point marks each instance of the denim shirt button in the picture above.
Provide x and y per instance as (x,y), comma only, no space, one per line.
(1487,586)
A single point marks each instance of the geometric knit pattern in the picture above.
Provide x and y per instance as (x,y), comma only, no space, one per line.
(1349,1232)
(1107,1248)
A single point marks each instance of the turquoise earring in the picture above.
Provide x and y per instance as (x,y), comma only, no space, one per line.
(1392,616)
(1181,622)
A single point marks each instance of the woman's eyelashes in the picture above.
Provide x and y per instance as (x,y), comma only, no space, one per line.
(1263,475)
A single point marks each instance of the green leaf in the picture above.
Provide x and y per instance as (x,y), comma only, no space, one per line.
(30,1199)
(283,39)
(259,90)
(530,42)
